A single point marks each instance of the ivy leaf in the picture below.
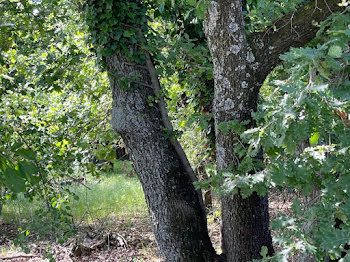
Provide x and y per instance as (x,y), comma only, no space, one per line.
(128,33)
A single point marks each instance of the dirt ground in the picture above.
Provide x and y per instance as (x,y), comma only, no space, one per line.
(113,240)
(128,240)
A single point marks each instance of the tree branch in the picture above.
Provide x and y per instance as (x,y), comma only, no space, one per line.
(293,30)
(167,124)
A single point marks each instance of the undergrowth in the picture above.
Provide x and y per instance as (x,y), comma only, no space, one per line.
(114,194)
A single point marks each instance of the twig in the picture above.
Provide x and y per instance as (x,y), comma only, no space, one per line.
(141,83)
(328,6)
(316,8)
(108,242)
(124,240)
(78,181)
(18,256)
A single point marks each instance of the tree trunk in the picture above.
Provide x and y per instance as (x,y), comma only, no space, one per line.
(245,228)
(179,222)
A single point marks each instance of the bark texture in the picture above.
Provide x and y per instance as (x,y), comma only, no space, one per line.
(179,222)
(245,221)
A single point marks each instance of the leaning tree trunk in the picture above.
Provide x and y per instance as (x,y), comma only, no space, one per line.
(179,222)
(245,227)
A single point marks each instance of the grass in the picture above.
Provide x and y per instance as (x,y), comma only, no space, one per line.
(115,194)
(112,194)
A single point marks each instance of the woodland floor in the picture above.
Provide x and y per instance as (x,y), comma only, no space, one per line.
(129,239)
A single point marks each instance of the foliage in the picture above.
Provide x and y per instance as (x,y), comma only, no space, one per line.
(54,105)
(261,13)
(117,25)
(186,74)
(115,193)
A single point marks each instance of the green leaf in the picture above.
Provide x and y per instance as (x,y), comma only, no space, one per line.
(297,206)
(16,146)
(128,33)
(314,139)
(201,8)
(14,181)
(26,153)
(335,51)
(264,251)
(192,2)
(28,170)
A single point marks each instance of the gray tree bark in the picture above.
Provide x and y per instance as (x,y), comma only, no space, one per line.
(179,222)
(245,226)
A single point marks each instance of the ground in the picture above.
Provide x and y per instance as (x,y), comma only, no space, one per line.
(111,222)
(128,240)
(112,239)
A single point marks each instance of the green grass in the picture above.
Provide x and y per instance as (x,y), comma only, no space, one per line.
(113,194)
